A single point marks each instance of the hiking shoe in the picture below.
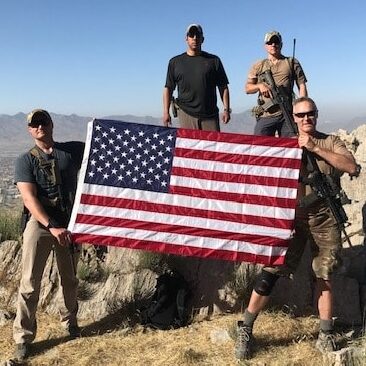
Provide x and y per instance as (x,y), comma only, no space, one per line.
(326,342)
(21,352)
(244,342)
(74,331)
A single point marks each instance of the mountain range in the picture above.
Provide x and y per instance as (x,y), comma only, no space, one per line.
(14,136)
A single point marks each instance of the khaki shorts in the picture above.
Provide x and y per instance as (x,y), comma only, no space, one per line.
(325,240)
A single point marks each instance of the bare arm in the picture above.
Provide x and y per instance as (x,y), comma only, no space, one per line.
(225,97)
(252,86)
(343,162)
(28,191)
(303,91)
(167,98)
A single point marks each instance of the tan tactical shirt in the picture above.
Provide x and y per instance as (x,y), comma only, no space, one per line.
(282,75)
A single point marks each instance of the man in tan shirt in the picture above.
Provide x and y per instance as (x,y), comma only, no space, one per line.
(286,71)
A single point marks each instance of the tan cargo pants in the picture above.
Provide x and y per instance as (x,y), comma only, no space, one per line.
(37,246)
(187,121)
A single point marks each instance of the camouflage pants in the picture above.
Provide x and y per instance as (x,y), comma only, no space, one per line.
(325,241)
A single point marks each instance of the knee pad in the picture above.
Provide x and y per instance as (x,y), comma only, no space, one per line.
(264,283)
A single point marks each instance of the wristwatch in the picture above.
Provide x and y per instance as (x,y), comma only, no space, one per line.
(227,110)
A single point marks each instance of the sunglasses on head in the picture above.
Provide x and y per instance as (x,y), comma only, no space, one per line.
(303,114)
(40,122)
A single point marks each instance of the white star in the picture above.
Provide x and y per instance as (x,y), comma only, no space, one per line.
(101,157)
(170,137)
(164,184)
(125,143)
(153,147)
(147,140)
(165,172)
(105,176)
(143,175)
(130,161)
(144,163)
(103,146)
(128,172)
(107,164)
(126,131)
(112,129)
(111,141)
(138,156)
(150,170)
(157,176)
(109,152)
(161,142)
(152,157)
(92,162)
(120,177)
(122,166)
(117,148)
(146,152)
(104,134)
(98,128)
(158,165)
(119,136)
(141,133)
(134,179)
(133,138)
(155,135)
(124,154)
(99,169)
(166,160)
(114,171)
(149,181)
(95,150)
(96,139)
(136,168)
(116,159)
(160,153)
(132,149)
(91,174)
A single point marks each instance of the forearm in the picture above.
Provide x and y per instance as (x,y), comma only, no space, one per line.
(167,97)
(303,91)
(252,87)
(225,97)
(345,163)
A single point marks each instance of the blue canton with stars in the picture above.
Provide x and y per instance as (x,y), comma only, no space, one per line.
(130,155)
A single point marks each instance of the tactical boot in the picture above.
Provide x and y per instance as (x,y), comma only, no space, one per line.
(326,342)
(74,331)
(21,352)
(244,342)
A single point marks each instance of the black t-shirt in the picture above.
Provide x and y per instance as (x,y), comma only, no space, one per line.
(197,78)
(69,156)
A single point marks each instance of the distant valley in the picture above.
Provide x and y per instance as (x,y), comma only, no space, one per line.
(14,137)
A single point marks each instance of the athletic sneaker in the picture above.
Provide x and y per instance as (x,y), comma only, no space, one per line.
(326,342)
(244,342)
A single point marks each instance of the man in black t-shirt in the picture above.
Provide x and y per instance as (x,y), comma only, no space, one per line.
(46,177)
(196,74)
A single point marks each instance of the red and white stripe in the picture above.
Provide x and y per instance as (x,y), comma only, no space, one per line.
(231,197)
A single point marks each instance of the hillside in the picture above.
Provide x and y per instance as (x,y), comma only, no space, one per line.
(281,341)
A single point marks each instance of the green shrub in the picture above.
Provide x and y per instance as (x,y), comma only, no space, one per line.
(10,225)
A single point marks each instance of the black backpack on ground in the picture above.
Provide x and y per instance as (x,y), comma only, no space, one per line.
(168,306)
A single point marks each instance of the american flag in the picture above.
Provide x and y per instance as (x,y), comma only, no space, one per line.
(187,192)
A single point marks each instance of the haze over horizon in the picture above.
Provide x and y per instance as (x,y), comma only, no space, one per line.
(94,58)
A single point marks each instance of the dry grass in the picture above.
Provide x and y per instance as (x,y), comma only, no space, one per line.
(281,340)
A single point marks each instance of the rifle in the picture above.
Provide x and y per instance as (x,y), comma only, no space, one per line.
(322,185)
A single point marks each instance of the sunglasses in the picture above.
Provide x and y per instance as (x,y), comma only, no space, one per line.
(276,42)
(41,122)
(309,114)
(194,33)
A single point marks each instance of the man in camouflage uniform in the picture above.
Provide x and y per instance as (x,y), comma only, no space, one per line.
(315,223)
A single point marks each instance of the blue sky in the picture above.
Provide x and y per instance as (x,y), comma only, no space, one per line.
(103,57)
